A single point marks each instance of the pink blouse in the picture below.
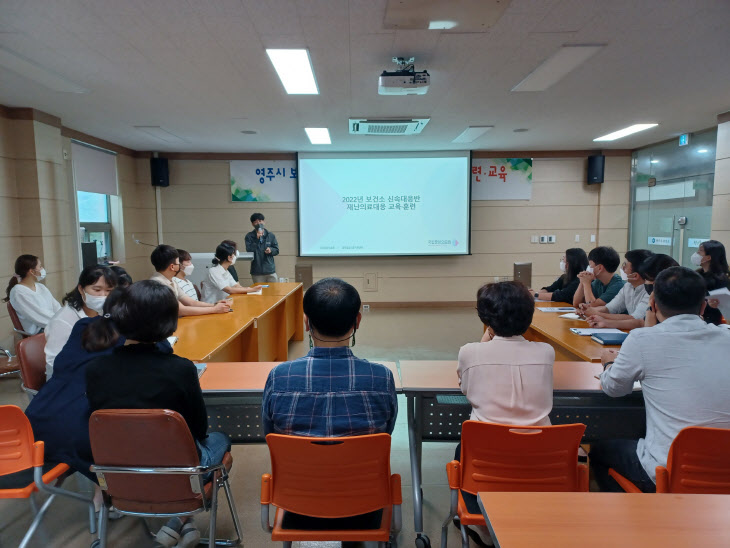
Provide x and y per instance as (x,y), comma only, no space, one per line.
(508,380)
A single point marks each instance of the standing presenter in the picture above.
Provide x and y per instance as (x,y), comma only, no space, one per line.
(264,247)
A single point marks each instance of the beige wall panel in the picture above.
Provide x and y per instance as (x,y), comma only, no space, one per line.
(9,251)
(721,236)
(133,250)
(26,176)
(617,238)
(126,168)
(723,141)
(721,212)
(618,168)
(613,216)
(202,242)
(518,241)
(48,143)
(199,172)
(56,284)
(142,169)
(542,218)
(29,213)
(23,139)
(140,220)
(56,254)
(223,221)
(55,217)
(548,194)
(188,196)
(559,170)
(139,268)
(8,187)
(7,139)
(136,196)
(722,178)
(616,192)
(53,182)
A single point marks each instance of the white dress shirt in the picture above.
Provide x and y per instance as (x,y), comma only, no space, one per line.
(57,333)
(34,308)
(683,367)
(630,300)
(508,380)
(217,278)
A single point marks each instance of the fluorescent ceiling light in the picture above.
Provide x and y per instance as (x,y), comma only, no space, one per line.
(654,161)
(471,133)
(318,135)
(442,25)
(159,133)
(294,68)
(557,66)
(624,132)
(703,151)
(33,71)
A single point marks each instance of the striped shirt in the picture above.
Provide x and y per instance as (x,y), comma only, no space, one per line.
(329,393)
(187,287)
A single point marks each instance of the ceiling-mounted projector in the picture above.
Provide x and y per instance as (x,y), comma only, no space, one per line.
(405,80)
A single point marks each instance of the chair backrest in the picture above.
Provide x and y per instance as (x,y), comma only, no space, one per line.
(16,440)
(14,317)
(139,438)
(698,462)
(197,291)
(32,359)
(330,477)
(498,457)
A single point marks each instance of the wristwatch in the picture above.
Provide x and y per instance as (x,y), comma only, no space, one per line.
(537,295)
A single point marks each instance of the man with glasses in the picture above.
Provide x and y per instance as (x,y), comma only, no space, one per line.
(166,261)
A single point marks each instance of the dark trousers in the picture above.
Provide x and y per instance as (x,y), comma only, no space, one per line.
(621,456)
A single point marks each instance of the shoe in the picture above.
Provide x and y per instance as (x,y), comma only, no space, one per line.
(189,536)
(480,535)
(169,534)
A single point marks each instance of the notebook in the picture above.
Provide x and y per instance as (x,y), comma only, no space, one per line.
(571,316)
(556,309)
(609,338)
(201,368)
(588,331)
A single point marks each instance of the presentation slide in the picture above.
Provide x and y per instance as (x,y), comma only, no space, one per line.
(384,204)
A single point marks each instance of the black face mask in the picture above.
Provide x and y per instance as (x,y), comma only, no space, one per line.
(649,288)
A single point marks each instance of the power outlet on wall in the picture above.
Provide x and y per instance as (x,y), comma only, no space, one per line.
(370,281)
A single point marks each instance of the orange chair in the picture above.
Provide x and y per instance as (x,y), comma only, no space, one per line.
(32,359)
(331,489)
(23,470)
(148,465)
(698,462)
(499,457)
(17,325)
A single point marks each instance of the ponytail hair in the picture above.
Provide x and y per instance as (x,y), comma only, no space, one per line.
(222,252)
(23,265)
(102,334)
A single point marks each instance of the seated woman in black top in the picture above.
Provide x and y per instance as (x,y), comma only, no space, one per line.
(138,375)
(574,261)
(712,260)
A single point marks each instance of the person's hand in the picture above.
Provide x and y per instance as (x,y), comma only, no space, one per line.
(221,308)
(650,318)
(714,303)
(596,321)
(586,277)
(581,310)
(608,355)
(252,288)
(267,250)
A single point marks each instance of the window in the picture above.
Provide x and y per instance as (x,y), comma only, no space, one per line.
(94,219)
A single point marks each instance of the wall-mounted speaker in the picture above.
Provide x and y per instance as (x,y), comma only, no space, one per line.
(160,172)
(596,166)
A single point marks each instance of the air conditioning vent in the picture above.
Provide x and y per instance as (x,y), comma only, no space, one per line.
(361,126)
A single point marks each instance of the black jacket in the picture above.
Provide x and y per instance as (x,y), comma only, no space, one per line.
(262,263)
(563,294)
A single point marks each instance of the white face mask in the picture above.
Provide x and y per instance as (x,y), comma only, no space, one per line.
(42,276)
(696,259)
(237,253)
(233,261)
(624,276)
(562,266)
(188,270)
(95,302)
(589,269)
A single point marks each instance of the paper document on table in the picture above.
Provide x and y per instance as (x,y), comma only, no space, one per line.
(201,368)
(542,301)
(259,292)
(571,316)
(722,295)
(172,340)
(587,331)
(556,309)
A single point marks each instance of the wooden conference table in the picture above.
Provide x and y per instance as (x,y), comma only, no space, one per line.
(549,327)
(436,409)
(259,328)
(232,393)
(606,520)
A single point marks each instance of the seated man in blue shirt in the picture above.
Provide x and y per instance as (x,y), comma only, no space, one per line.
(330,392)
(599,283)
(682,365)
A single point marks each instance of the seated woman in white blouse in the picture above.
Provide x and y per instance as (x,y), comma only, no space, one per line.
(506,378)
(31,300)
(86,300)
(219,284)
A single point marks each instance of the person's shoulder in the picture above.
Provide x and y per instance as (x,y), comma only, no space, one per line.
(546,349)
(471,348)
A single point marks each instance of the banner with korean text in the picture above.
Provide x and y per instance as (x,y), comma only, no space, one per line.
(501,178)
(263,180)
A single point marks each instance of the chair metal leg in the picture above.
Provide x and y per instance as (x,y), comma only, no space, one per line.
(234,513)
(213,514)
(103,525)
(464,537)
(36,521)
(286,544)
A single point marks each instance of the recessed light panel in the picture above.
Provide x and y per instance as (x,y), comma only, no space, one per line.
(318,135)
(624,132)
(294,68)
(557,66)
(471,134)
